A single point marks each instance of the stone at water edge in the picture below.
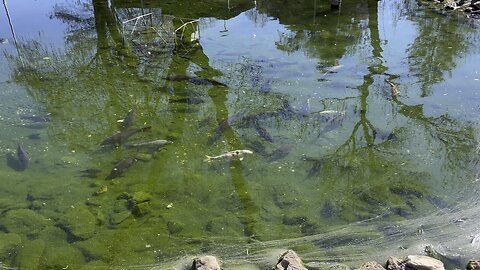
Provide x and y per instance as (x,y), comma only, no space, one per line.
(473,265)
(206,263)
(290,261)
(414,262)
(373,265)
(394,263)
(420,262)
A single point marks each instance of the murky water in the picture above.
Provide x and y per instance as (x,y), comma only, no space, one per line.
(363,122)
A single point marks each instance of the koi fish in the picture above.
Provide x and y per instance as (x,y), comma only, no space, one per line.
(234,153)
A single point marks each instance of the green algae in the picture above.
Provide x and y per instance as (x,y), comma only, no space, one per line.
(8,244)
(24,222)
(30,255)
(79,221)
(173,203)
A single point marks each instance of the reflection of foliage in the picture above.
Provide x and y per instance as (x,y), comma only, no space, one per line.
(257,17)
(433,53)
(322,34)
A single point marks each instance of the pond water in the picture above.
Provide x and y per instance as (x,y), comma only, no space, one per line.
(363,122)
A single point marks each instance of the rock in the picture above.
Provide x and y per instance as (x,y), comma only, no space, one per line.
(97,265)
(141,209)
(53,235)
(394,263)
(62,256)
(101,190)
(95,249)
(206,263)
(373,265)
(326,266)
(120,206)
(420,262)
(79,222)
(24,222)
(175,227)
(414,262)
(7,204)
(141,196)
(117,218)
(290,261)
(31,253)
(8,243)
(473,265)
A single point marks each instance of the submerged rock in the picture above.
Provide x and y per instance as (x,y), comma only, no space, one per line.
(141,196)
(79,222)
(62,256)
(31,253)
(97,265)
(290,261)
(8,243)
(206,263)
(24,222)
(175,227)
(373,265)
(95,249)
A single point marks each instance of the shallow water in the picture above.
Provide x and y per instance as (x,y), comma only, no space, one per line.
(342,170)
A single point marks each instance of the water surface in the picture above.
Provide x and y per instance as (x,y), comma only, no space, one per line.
(342,171)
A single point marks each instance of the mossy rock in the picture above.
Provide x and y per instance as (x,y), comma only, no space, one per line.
(7,205)
(29,256)
(8,243)
(24,222)
(97,265)
(141,209)
(94,249)
(79,222)
(120,206)
(175,227)
(61,257)
(53,235)
(141,196)
(117,218)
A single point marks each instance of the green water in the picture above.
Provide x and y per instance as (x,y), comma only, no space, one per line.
(375,174)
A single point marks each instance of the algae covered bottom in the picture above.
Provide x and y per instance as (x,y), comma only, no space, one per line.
(361,135)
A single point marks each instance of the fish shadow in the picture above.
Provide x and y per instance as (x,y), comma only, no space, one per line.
(14,163)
